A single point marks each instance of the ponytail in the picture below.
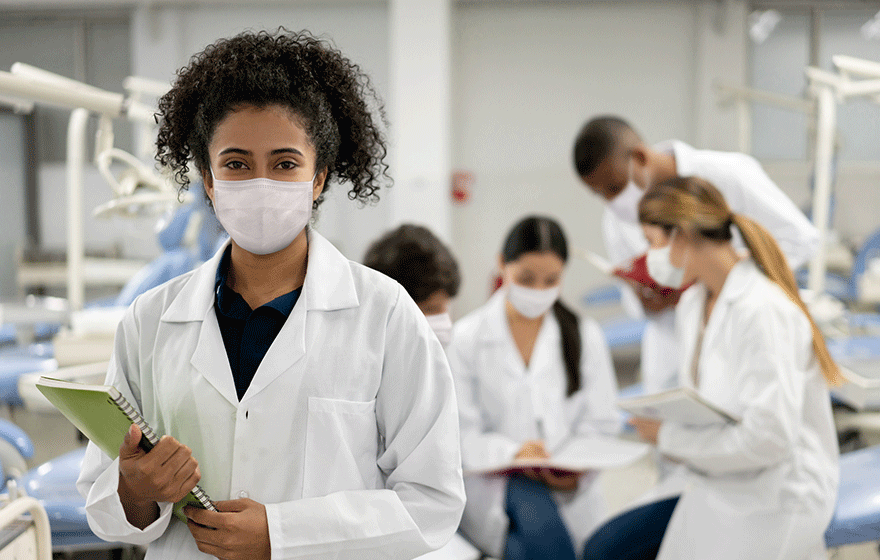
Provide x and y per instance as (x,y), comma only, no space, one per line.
(769,258)
(571,345)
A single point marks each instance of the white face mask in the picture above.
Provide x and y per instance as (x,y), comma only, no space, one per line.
(441,324)
(532,303)
(661,269)
(626,204)
(263,215)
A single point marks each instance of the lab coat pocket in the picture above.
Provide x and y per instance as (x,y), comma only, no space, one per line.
(342,444)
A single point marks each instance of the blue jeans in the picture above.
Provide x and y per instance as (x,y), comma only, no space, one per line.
(633,535)
(536,530)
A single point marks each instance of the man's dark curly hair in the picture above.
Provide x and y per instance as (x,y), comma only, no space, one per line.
(325,90)
(419,261)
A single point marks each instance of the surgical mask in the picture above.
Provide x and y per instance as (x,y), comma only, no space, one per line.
(626,204)
(661,269)
(532,303)
(441,324)
(263,215)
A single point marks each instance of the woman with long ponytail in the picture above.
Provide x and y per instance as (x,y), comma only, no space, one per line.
(529,376)
(765,486)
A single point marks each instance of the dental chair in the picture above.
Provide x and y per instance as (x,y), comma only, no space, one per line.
(53,485)
(857,515)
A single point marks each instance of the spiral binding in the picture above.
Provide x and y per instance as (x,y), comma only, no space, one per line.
(135,416)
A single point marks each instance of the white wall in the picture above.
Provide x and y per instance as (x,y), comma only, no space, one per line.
(526,78)
(163,39)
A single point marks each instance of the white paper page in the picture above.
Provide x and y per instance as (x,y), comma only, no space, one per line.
(677,405)
(580,454)
(594,453)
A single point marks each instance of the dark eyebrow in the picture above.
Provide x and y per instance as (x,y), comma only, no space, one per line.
(235,151)
(286,151)
(273,152)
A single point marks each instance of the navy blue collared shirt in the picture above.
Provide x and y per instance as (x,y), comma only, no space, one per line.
(247,333)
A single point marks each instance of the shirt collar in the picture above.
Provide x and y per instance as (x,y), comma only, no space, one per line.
(230,302)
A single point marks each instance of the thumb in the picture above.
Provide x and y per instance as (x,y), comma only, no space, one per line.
(239,504)
(131,444)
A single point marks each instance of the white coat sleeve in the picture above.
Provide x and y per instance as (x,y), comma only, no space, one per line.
(421,505)
(99,476)
(622,246)
(480,446)
(771,386)
(754,194)
(596,411)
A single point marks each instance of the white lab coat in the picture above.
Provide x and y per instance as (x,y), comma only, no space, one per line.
(348,432)
(748,191)
(764,488)
(500,400)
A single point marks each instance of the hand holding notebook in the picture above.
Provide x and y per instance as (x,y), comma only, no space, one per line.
(104,415)
(166,474)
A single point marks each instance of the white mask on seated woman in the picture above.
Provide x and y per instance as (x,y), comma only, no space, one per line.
(530,302)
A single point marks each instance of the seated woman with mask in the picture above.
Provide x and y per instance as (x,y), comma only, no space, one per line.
(763,487)
(529,375)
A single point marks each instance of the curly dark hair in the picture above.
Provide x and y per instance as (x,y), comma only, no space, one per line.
(419,261)
(296,70)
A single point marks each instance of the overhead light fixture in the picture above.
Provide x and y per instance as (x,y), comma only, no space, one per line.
(762,23)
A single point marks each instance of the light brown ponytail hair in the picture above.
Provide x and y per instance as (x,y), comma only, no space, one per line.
(694,204)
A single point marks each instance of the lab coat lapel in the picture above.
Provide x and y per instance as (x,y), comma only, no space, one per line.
(195,303)
(210,358)
(737,285)
(497,334)
(689,323)
(328,286)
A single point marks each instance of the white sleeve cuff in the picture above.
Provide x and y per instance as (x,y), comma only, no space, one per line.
(106,515)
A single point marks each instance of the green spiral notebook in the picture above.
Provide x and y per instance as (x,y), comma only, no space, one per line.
(105,416)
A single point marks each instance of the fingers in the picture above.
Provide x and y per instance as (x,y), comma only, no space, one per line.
(239,530)
(533,449)
(166,474)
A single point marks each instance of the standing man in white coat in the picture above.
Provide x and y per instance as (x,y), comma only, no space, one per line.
(305,393)
(615,163)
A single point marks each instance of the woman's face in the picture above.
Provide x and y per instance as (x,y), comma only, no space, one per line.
(678,253)
(536,270)
(264,142)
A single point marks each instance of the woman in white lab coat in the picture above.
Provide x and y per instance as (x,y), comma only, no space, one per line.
(305,393)
(528,375)
(766,486)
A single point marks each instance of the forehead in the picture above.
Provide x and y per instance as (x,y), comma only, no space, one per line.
(543,262)
(271,126)
(611,171)
(655,235)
